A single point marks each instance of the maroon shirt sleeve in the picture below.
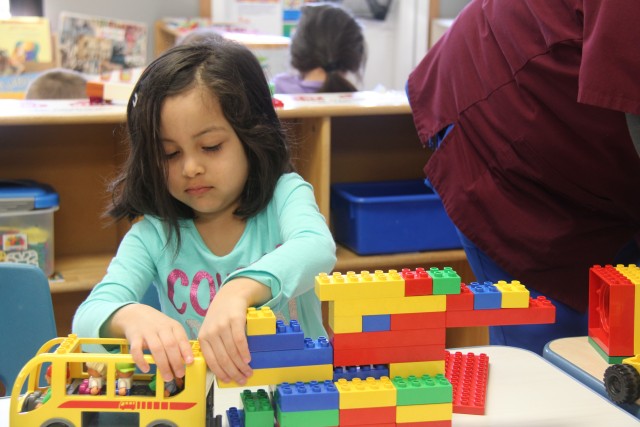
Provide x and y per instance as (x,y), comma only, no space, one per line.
(610,68)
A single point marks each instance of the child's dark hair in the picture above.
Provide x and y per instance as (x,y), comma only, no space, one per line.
(234,77)
(330,38)
(57,83)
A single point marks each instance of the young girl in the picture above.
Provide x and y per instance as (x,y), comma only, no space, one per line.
(226,224)
(328,45)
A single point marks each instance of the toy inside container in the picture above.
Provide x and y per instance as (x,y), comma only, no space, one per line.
(26,223)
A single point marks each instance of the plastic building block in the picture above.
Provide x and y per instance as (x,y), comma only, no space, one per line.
(423,390)
(421,413)
(311,396)
(468,375)
(609,359)
(290,374)
(235,417)
(260,321)
(258,411)
(432,367)
(368,416)
(486,296)
(363,372)
(402,338)
(514,294)
(379,322)
(369,393)
(611,310)
(324,418)
(404,321)
(417,282)
(289,337)
(445,281)
(461,301)
(354,286)
(315,352)
(632,272)
(368,306)
(442,423)
(540,311)
(344,324)
(382,355)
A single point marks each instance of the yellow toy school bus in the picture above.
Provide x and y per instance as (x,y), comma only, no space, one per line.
(67,401)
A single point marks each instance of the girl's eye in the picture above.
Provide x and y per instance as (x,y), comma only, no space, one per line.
(171,154)
(212,148)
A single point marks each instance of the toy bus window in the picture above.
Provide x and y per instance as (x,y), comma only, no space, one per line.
(93,381)
(43,391)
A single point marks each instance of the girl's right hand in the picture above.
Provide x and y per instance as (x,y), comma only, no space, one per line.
(144,327)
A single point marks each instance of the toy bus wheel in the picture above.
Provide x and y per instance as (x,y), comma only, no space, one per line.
(622,383)
(58,423)
(161,423)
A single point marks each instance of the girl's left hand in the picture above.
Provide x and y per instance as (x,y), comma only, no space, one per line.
(222,337)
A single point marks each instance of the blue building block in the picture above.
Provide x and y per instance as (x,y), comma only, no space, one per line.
(376,323)
(363,372)
(315,352)
(311,396)
(286,338)
(486,296)
(235,417)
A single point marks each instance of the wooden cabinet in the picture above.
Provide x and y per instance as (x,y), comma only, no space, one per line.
(77,149)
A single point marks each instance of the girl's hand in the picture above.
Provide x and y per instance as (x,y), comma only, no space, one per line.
(223,339)
(147,328)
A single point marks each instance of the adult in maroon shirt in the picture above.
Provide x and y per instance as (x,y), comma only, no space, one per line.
(538,169)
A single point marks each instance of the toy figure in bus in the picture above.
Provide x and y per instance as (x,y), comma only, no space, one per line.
(124,375)
(171,388)
(96,371)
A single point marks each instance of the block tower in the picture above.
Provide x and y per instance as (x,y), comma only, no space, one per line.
(614,311)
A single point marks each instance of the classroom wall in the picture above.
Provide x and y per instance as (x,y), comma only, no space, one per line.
(147,11)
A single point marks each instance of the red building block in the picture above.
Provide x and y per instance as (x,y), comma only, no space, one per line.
(417,282)
(468,374)
(406,321)
(540,311)
(368,416)
(402,338)
(611,310)
(385,355)
(462,301)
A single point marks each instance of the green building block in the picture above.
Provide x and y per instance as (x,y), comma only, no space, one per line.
(445,281)
(322,418)
(258,411)
(423,390)
(611,360)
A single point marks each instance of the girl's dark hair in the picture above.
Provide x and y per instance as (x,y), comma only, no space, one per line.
(233,76)
(329,37)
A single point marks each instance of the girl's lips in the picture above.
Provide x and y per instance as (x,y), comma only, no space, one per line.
(196,191)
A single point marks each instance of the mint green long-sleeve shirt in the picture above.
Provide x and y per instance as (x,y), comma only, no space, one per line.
(284,247)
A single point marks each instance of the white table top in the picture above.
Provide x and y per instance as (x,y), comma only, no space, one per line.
(524,390)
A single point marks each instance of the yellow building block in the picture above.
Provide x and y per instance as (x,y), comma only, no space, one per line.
(369,393)
(356,286)
(632,272)
(514,294)
(290,374)
(406,369)
(417,304)
(422,413)
(261,321)
(345,324)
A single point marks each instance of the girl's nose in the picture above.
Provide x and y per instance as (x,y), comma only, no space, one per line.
(192,167)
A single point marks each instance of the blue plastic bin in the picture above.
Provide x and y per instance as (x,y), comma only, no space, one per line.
(390,217)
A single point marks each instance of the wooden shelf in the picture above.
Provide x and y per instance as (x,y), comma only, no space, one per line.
(79,273)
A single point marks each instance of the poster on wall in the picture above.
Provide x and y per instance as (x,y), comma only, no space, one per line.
(23,40)
(98,45)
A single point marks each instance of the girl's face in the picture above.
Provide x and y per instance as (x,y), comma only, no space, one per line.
(206,162)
